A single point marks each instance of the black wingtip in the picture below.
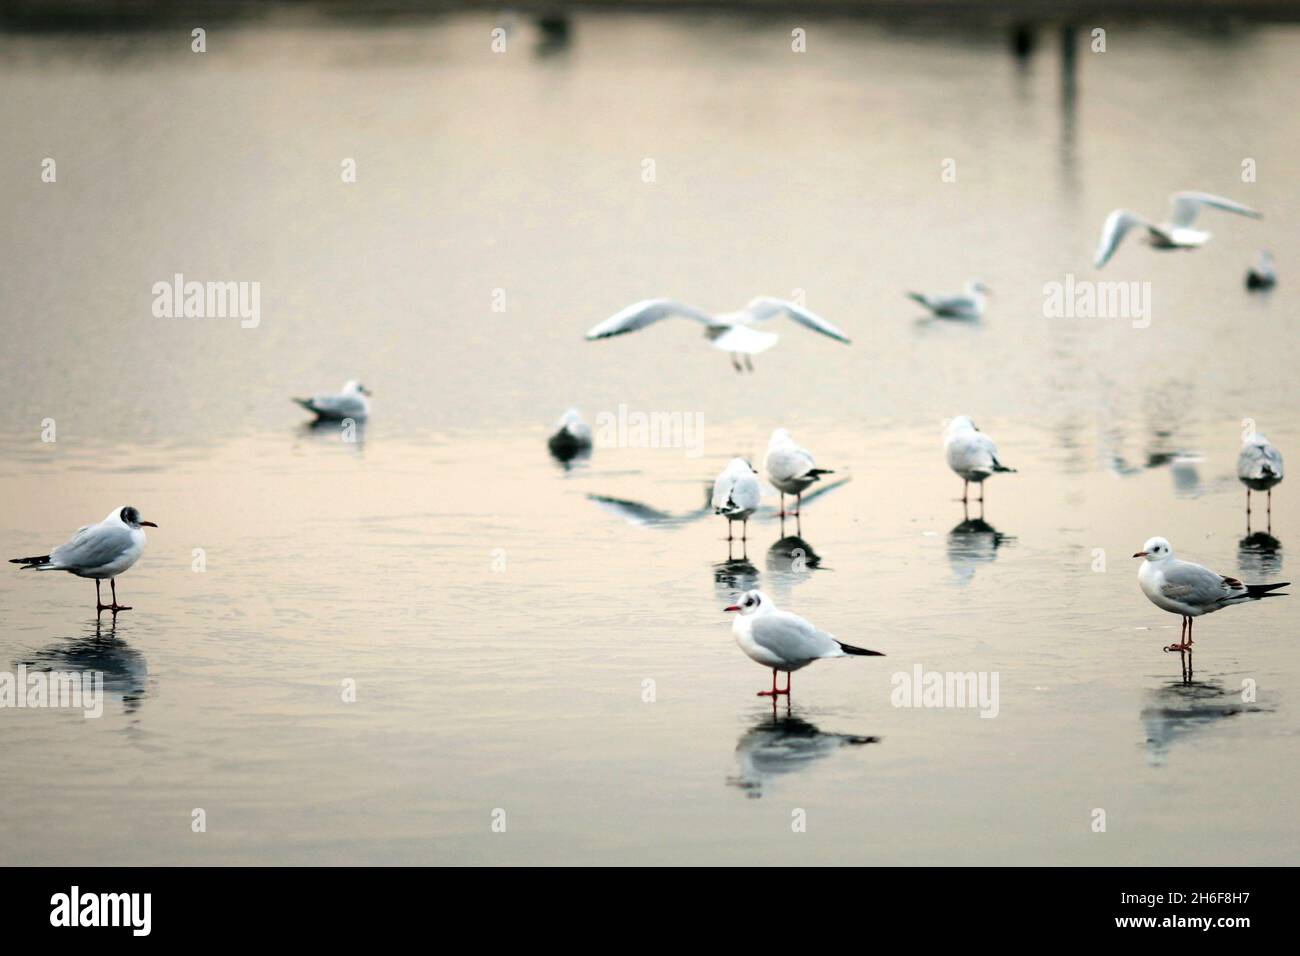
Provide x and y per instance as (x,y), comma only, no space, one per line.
(858,651)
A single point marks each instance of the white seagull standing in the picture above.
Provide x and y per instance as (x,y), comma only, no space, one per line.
(971,454)
(736,494)
(1191,590)
(790,468)
(732,332)
(353,401)
(970,305)
(783,641)
(98,551)
(1259,466)
(1176,233)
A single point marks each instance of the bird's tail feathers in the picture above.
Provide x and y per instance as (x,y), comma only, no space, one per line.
(998,466)
(859,651)
(305,403)
(1259,591)
(31,564)
(919,298)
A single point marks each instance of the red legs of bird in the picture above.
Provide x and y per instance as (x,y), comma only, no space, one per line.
(1184,637)
(735,362)
(749,363)
(965,485)
(1270,511)
(774,693)
(100,606)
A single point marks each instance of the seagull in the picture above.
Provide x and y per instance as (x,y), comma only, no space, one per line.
(736,494)
(790,468)
(1262,275)
(732,332)
(969,305)
(1191,590)
(1177,233)
(353,402)
(971,454)
(781,640)
(98,551)
(1259,466)
(572,439)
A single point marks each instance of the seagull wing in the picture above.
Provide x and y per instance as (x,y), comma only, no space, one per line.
(633,512)
(764,308)
(92,546)
(792,638)
(821,489)
(1198,586)
(1184,207)
(1117,225)
(646,312)
(340,404)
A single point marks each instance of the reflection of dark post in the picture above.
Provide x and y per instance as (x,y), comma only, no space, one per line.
(1069,93)
(1023,41)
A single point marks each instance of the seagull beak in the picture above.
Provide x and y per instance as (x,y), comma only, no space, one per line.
(1140,554)
(147,524)
(734,607)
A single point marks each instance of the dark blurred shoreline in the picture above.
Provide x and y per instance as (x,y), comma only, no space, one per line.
(78,15)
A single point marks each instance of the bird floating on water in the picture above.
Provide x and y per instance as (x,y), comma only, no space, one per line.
(1262,275)
(352,401)
(572,439)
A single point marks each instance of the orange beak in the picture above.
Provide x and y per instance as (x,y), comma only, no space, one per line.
(1140,554)
(734,607)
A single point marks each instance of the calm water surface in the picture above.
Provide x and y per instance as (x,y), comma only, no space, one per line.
(501,616)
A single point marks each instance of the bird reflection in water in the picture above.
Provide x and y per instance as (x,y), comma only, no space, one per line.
(349,433)
(1259,553)
(734,577)
(971,543)
(820,491)
(1182,708)
(777,745)
(790,560)
(99,649)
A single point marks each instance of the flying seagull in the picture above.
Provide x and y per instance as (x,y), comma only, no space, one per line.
(732,332)
(98,551)
(781,640)
(969,305)
(1191,590)
(1176,233)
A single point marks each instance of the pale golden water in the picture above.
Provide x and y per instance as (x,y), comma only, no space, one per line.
(499,622)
